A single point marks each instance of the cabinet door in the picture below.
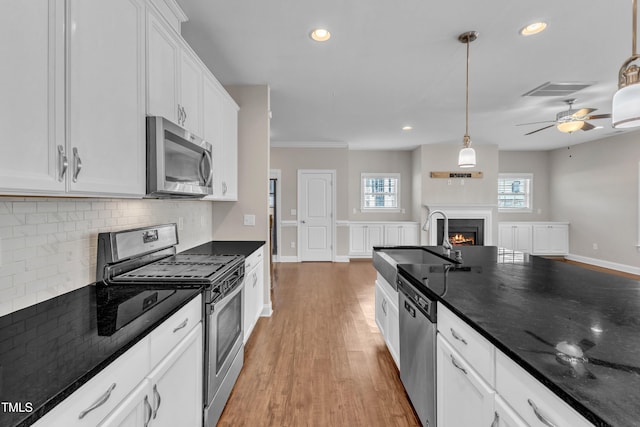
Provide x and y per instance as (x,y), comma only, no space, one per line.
(505,236)
(212,99)
(177,384)
(253,289)
(191,92)
(464,399)
(229,150)
(550,239)
(504,416)
(106,112)
(375,237)
(134,411)
(381,310)
(409,235)
(522,238)
(393,235)
(32,101)
(163,53)
(357,239)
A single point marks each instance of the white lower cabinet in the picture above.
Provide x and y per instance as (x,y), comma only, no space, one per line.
(253,291)
(463,397)
(536,238)
(388,316)
(504,416)
(135,410)
(363,236)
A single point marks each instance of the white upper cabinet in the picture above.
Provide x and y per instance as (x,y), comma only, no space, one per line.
(106,110)
(32,101)
(229,171)
(190,93)
(77,65)
(163,54)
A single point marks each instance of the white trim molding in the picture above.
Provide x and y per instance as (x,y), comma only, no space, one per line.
(290,258)
(605,264)
(462,212)
(308,144)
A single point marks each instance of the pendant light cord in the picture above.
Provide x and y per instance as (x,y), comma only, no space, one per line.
(466,132)
(635,21)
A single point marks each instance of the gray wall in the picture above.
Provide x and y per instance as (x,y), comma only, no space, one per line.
(537,163)
(594,186)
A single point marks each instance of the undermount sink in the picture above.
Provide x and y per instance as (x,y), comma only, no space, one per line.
(385,260)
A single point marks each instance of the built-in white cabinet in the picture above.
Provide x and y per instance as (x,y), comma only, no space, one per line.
(363,236)
(550,239)
(479,385)
(229,156)
(191,72)
(253,290)
(387,316)
(537,238)
(158,382)
(73,97)
(464,398)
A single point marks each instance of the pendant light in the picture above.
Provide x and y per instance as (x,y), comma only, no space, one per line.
(467,155)
(626,102)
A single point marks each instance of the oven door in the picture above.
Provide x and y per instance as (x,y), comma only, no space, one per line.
(225,334)
(179,163)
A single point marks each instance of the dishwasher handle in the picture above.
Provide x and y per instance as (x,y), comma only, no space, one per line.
(411,310)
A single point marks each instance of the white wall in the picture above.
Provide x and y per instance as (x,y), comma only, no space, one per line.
(48,246)
(594,186)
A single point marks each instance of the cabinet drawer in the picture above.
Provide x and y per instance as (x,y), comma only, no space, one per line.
(252,260)
(170,332)
(103,392)
(475,349)
(530,399)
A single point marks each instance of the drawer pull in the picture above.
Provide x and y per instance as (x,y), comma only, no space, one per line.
(158,398)
(181,325)
(496,420)
(101,401)
(148,411)
(455,363)
(539,415)
(458,337)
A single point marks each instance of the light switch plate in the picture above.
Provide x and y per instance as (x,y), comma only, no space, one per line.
(294,212)
(250,220)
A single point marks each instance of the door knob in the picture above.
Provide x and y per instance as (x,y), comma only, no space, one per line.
(303,221)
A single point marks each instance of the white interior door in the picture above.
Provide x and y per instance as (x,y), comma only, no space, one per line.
(315,215)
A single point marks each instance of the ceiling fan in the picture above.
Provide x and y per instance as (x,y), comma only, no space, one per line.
(571,120)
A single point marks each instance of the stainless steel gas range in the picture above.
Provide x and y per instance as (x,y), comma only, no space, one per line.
(148,255)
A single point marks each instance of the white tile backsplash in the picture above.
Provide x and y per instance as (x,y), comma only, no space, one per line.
(48,246)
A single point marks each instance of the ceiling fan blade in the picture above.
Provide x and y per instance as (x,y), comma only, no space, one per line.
(598,116)
(583,112)
(546,127)
(587,126)
(536,123)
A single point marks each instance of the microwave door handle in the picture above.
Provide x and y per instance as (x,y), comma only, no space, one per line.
(210,175)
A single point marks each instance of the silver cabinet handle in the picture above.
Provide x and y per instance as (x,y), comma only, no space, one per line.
(184,114)
(496,420)
(101,401)
(179,114)
(148,411)
(63,163)
(224,187)
(156,394)
(181,325)
(384,306)
(455,363)
(541,417)
(255,280)
(458,337)
(77,164)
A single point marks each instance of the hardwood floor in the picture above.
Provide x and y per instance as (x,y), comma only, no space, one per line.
(320,359)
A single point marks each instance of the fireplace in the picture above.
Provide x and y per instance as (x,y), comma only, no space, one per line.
(463,232)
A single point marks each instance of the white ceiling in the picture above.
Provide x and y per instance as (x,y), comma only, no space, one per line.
(393,63)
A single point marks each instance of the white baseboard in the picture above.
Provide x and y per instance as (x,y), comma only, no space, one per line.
(267,310)
(341,258)
(605,264)
(288,258)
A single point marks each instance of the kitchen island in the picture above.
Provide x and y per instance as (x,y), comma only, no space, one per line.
(530,308)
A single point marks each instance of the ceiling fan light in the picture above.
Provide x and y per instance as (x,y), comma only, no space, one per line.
(570,127)
(467,157)
(626,107)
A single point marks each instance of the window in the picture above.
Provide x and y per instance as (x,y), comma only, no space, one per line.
(514,192)
(380,191)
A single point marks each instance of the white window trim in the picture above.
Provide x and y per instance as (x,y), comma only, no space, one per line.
(364,175)
(528,176)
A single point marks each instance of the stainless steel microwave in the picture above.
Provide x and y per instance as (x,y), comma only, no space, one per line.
(179,163)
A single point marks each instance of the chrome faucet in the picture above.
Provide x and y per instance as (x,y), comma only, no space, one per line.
(446,244)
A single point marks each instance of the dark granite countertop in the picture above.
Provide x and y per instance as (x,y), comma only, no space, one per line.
(227,247)
(526,305)
(49,350)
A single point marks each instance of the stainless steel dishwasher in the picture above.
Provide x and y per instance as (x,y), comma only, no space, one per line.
(418,350)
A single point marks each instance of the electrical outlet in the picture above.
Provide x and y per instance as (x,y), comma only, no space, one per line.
(448,182)
(595,246)
(293,245)
(462,182)
(249,220)
(294,212)
(180,223)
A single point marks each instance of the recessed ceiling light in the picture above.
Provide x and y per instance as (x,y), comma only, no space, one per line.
(320,35)
(533,28)
(407,127)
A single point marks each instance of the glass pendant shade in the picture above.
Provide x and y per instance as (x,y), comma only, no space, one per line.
(626,107)
(467,158)
(569,127)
